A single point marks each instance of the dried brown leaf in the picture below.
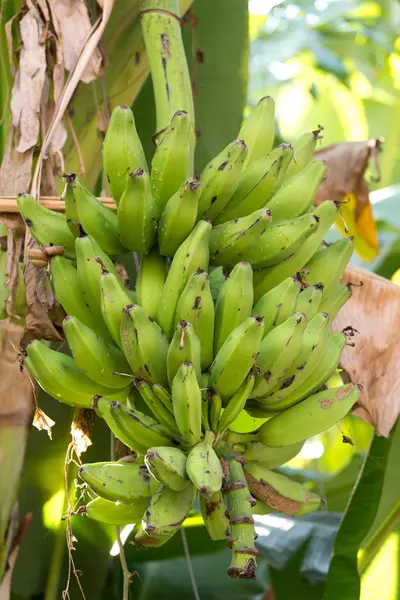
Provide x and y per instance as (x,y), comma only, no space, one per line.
(15,170)
(28,85)
(42,422)
(374,362)
(15,242)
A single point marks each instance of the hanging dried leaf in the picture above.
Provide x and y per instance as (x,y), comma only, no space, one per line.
(81,430)
(28,84)
(374,362)
(15,171)
(347,163)
(42,422)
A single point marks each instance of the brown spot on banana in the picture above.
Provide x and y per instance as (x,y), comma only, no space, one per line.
(270,496)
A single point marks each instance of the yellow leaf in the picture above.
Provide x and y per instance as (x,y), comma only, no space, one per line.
(362,228)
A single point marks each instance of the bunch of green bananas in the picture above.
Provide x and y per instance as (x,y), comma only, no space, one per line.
(232,311)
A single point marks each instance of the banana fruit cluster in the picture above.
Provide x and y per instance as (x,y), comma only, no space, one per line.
(232,312)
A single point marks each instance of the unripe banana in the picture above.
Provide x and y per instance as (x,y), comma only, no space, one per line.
(277,352)
(47,227)
(297,193)
(103,408)
(89,271)
(113,298)
(94,356)
(212,508)
(184,347)
(173,160)
(260,508)
(276,244)
(217,278)
(258,130)
(71,211)
(164,396)
(164,515)
(235,405)
(197,307)
(97,220)
(186,402)
(150,282)
(215,406)
(234,303)
(203,466)
(270,458)
(337,297)
(179,217)
(168,466)
(304,148)
(310,299)
(236,357)
(193,254)
(118,481)
(220,179)
(157,408)
(122,150)
(280,493)
(266,279)
(277,305)
(328,264)
(136,225)
(257,184)
(67,290)
(60,376)
(144,345)
(110,513)
(310,417)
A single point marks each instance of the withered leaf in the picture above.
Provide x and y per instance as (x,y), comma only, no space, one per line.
(15,171)
(42,422)
(374,362)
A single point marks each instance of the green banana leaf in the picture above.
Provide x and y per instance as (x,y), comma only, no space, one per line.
(289,582)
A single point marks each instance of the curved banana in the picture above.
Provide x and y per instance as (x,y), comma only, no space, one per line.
(203,466)
(277,305)
(310,299)
(234,303)
(304,148)
(212,508)
(153,402)
(196,306)
(337,297)
(118,481)
(110,513)
(328,264)
(186,402)
(214,401)
(235,405)
(150,282)
(258,130)
(168,466)
(184,347)
(113,298)
(270,458)
(164,396)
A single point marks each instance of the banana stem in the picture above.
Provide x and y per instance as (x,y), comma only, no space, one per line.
(161,29)
(239,501)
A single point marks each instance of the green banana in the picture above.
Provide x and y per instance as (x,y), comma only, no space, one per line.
(326,367)
(164,396)
(150,282)
(277,352)
(118,481)
(164,515)
(4,289)
(337,297)
(173,160)
(258,130)
(136,225)
(310,417)
(277,305)
(280,493)
(67,290)
(258,184)
(212,508)
(276,244)
(110,513)
(203,466)
(71,211)
(311,352)
(234,303)
(217,278)
(220,179)
(215,407)
(89,267)
(297,193)
(186,402)
(47,227)
(157,408)
(310,299)
(122,150)
(94,356)
(270,457)
(97,220)
(260,508)
(113,298)
(235,359)
(196,306)
(328,264)
(191,255)
(179,217)
(266,279)
(168,466)
(304,148)
(60,376)
(184,347)
(144,345)
(238,233)
(235,405)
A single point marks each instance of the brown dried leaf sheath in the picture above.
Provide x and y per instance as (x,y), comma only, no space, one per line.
(374,310)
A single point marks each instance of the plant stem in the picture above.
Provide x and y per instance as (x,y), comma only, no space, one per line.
(125,571)
(169,70)
(189,564)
